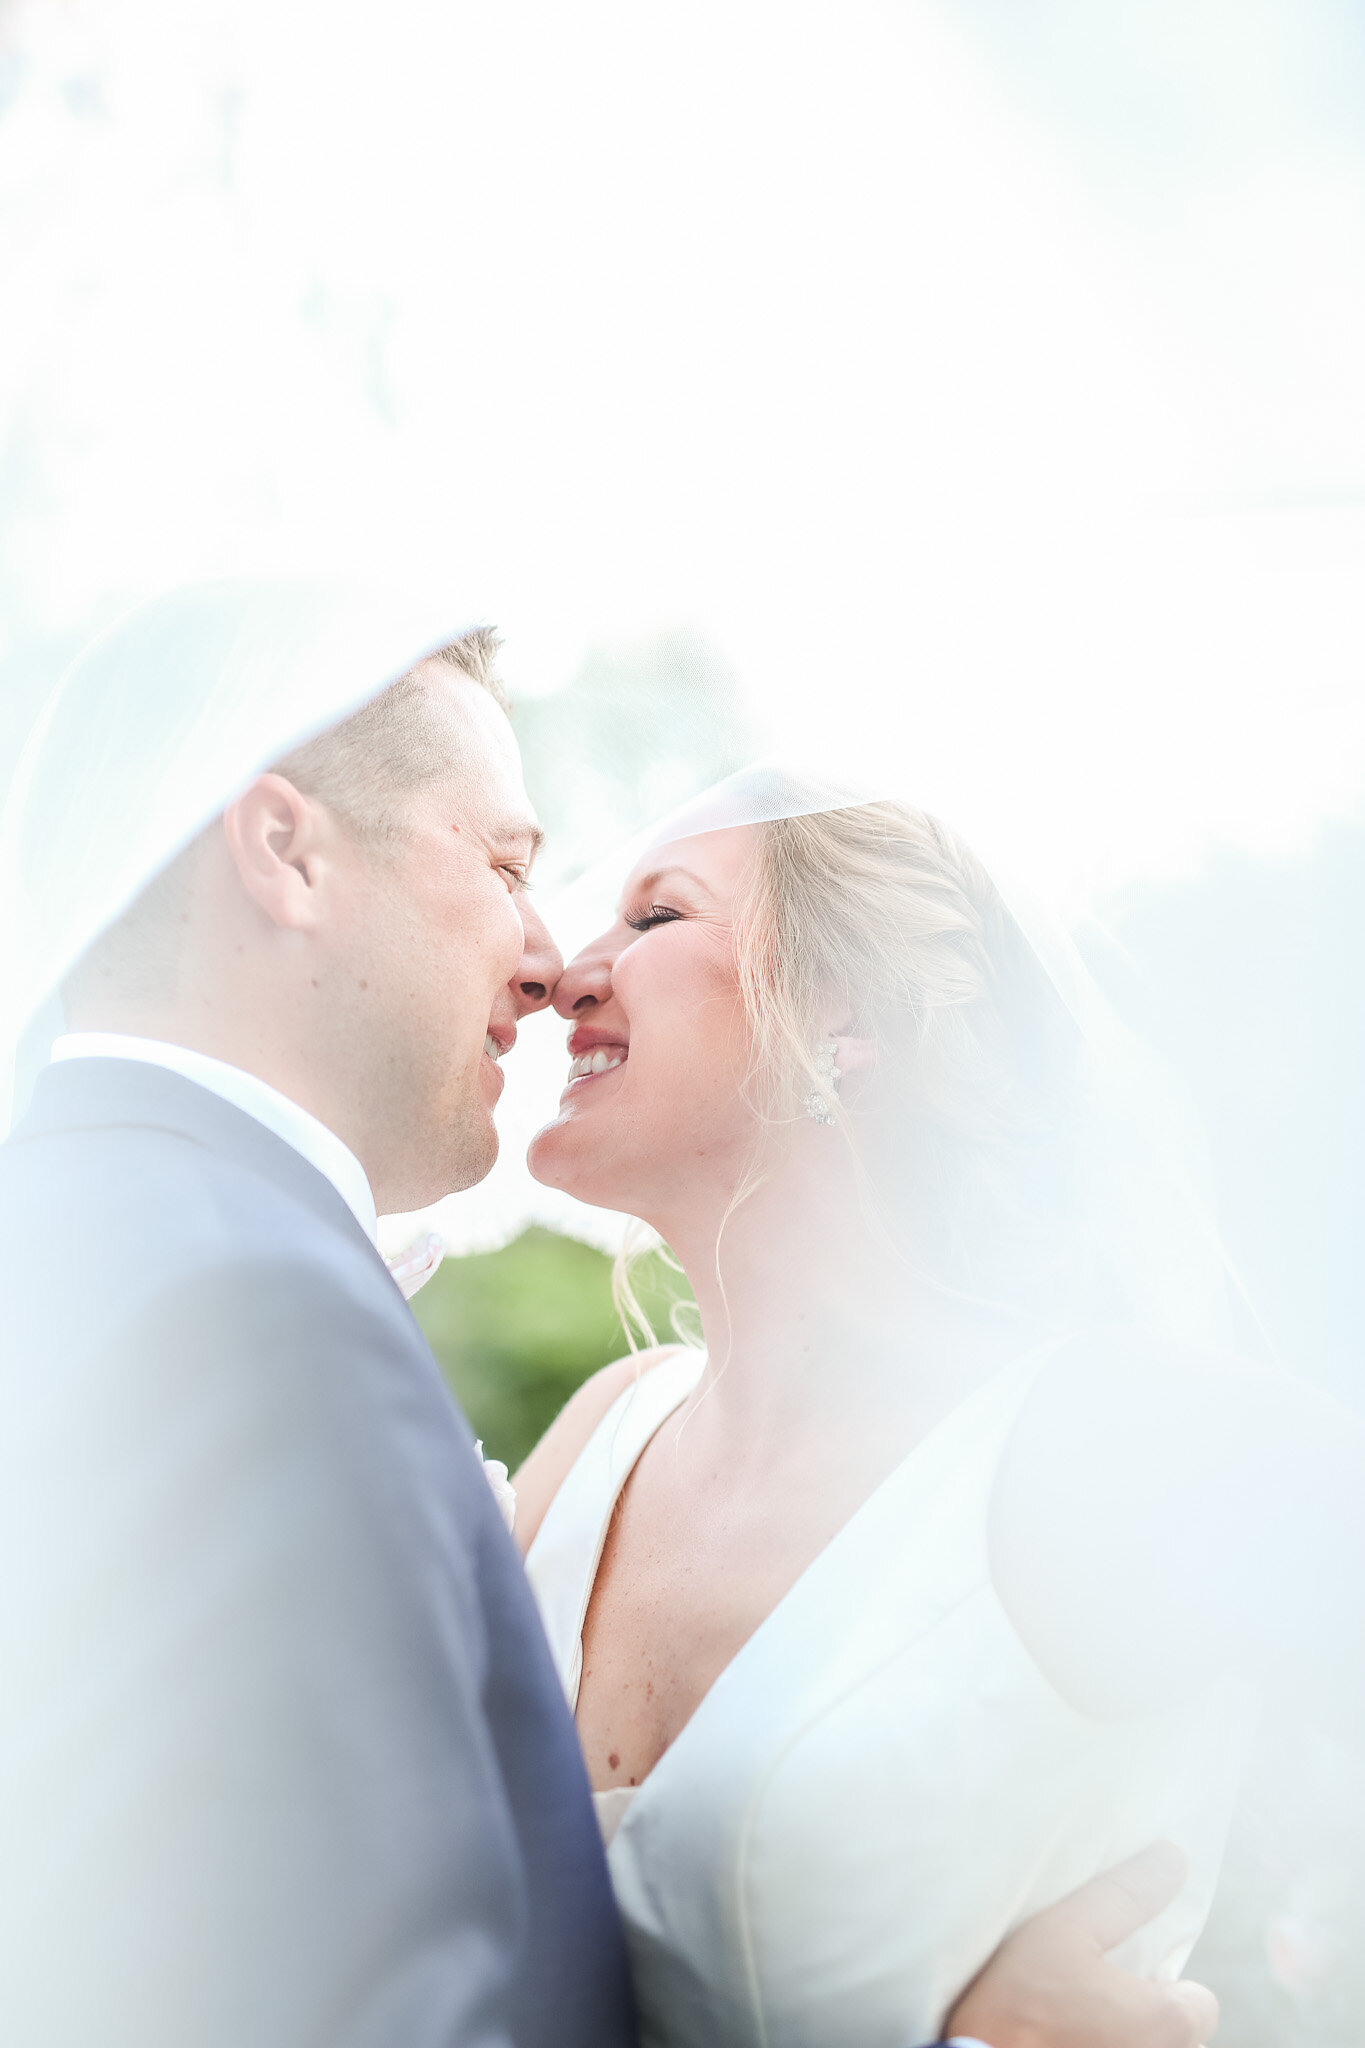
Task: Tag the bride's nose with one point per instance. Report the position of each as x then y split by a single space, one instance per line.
585 982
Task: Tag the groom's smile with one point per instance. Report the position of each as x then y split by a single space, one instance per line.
476 956
498 1042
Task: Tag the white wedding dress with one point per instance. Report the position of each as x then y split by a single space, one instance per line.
882 1783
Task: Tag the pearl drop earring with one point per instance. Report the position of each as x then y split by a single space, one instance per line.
818 1105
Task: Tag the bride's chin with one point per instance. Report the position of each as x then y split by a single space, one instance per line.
550 1159
546 1160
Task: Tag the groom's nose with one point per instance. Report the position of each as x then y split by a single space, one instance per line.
540 966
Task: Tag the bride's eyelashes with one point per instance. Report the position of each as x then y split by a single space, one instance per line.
657 913
517 878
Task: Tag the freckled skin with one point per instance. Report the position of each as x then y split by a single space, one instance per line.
698 1554
718 1519
699 1551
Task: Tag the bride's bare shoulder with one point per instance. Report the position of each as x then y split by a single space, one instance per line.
538 1481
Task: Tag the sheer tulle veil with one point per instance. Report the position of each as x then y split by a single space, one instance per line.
154 728
1149 1220
170 712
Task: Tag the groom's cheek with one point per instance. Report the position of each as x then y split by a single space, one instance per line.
506 941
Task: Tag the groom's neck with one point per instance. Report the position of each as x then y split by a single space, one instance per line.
286 1060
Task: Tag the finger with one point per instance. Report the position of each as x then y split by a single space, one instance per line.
1119 1901
1201 2007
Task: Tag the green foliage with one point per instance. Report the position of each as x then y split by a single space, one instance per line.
518 1330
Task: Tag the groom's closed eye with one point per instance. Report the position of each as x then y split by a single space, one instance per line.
514 854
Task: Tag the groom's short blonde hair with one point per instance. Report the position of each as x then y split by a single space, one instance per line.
360 769
394 743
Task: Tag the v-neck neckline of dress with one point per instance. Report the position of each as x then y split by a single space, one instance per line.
941 1432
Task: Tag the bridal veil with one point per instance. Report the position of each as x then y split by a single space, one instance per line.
1148 1217
153 730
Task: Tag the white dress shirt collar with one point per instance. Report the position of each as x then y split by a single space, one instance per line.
319 1146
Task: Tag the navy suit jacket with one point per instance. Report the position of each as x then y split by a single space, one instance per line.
283 1756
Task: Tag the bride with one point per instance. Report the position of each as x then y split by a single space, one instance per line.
932 1584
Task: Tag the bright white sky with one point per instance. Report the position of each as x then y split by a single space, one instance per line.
994 390
978 377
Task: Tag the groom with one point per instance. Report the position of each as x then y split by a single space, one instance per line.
284 1759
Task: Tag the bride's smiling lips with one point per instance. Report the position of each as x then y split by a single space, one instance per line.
594 1052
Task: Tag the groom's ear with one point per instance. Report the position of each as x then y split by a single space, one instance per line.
274 837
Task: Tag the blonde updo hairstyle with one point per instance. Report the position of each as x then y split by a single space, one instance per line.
878 913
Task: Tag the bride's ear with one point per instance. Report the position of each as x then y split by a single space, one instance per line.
272 836
853 1054
854 1051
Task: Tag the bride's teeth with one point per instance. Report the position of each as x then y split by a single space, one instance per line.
491 1047
599 1062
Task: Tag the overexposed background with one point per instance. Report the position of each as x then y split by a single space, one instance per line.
983 375
991 368
978 374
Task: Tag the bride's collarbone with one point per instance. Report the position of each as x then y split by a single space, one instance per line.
706 1522
704 1542
694 1567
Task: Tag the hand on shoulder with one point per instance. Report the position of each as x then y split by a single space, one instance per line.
539 1479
